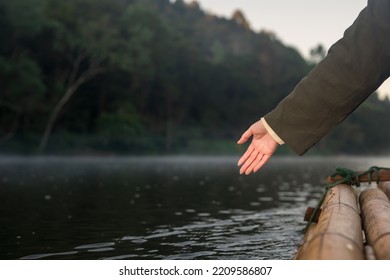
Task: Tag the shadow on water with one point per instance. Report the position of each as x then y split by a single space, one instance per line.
158 207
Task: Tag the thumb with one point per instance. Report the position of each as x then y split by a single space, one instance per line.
245 136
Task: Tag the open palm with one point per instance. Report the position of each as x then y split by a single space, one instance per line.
259 151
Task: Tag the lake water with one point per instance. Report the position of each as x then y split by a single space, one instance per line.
158 207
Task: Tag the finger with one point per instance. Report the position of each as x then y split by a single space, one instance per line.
254 163
249 161
261 163
245 136
246 155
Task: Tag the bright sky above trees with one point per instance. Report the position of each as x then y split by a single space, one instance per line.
300 23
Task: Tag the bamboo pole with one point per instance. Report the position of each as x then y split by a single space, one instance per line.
375 207
369 253
384 175
338 233
385 187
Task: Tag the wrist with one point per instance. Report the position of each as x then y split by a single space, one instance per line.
271 132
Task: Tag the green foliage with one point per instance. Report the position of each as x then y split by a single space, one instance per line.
22 68
148 76
24 16
125 121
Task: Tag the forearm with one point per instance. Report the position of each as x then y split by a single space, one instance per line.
354 68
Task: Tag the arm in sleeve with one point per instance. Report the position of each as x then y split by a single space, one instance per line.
355 67
272 132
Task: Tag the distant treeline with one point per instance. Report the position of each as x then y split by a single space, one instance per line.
147 77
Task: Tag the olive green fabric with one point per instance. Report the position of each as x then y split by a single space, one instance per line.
354 68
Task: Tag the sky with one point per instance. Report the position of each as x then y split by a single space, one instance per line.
302 24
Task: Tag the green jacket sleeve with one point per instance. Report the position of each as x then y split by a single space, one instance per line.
355 67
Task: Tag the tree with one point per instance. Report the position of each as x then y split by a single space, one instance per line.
317 53
239 17
21 78
86 33
156 52
146 76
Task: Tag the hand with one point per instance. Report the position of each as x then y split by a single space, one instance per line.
259 151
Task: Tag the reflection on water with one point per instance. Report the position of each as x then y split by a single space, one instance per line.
158 207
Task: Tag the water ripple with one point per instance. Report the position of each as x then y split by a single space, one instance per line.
159 208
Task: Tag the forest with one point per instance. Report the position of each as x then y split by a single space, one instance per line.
141 77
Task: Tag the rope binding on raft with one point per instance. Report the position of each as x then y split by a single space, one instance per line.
349 177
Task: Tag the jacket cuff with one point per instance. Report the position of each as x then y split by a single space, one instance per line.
272 132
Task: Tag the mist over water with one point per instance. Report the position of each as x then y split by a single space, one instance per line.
159 207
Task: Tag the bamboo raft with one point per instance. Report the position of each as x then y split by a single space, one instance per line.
351 225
